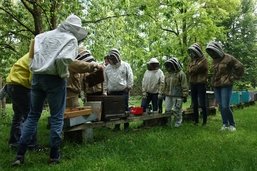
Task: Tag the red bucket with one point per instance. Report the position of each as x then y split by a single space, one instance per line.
136 110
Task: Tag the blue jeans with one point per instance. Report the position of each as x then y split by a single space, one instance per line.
223 96
52 88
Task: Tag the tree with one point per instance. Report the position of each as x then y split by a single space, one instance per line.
241 39
141 29
23 20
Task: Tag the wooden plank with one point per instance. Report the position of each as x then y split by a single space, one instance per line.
85 131
86 125
70 113
147 116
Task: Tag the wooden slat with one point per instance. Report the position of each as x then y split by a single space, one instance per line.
70 113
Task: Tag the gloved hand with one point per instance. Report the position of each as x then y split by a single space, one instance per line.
160 96
82 96
184 99
144 96
127 89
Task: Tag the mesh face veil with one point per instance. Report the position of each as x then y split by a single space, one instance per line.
173 65
195 51
214 49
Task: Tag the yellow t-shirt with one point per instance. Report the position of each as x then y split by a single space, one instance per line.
20 73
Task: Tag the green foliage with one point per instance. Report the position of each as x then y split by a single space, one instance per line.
241 38
240 85
141 29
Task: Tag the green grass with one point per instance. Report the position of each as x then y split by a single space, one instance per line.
193 148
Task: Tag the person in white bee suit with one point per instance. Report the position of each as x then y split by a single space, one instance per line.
118 78
152 86
53 51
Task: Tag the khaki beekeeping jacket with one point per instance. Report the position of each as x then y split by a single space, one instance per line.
198 70
175 84
226 70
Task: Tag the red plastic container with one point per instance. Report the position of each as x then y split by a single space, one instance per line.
136 110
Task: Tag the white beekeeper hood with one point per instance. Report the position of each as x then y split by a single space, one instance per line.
74 25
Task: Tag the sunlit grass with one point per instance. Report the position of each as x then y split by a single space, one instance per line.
158 148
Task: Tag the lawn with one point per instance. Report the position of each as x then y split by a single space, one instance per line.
159 148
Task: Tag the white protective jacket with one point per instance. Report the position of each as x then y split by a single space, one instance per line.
118 77
153 81
55 50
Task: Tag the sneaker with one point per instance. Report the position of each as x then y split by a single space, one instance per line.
126 129
32 146
54 161
177 125
116 128
223 128
232 128
19 160
13 145
196 123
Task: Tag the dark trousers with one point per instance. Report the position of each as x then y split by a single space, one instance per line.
160 104
20 97
151 97
198 95
126 98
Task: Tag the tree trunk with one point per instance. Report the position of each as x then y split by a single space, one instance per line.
2 102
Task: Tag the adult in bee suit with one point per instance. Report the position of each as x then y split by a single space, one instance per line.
226 69
77 69
53 52
118 78
198 74
87 89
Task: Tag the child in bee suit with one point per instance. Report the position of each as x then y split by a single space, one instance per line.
175 89
152 85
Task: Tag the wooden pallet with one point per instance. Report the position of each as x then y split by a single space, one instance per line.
84 132
74 112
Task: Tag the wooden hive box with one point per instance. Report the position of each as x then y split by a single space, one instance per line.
113 107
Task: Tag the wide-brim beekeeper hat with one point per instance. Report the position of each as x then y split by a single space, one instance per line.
153 61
